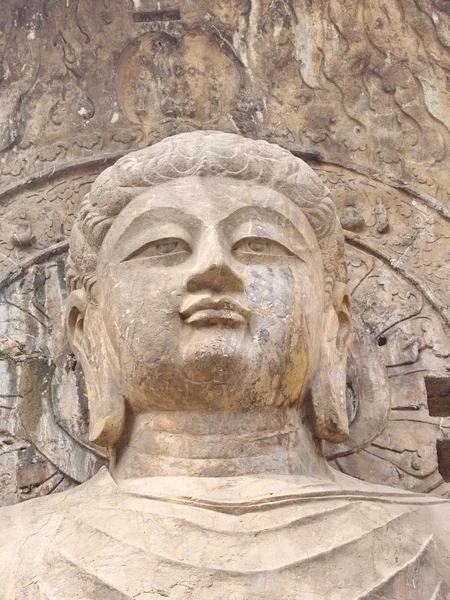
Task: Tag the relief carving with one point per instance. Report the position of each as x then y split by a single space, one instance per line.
358 91
160 76
339 82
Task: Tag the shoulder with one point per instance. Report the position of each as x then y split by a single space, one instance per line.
22 519
25 517
27 528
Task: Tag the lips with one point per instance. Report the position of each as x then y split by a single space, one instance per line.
208 312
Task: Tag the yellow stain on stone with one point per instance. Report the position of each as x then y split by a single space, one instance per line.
295 378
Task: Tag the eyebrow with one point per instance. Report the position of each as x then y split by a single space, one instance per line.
155 217
254 212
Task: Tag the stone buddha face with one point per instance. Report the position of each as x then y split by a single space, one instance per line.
209 295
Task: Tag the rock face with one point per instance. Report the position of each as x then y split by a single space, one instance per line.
359 91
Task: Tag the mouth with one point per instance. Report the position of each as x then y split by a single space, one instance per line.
207 312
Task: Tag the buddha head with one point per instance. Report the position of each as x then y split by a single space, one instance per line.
207 273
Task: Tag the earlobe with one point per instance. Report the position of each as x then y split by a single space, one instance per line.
328 389
106 404
106 412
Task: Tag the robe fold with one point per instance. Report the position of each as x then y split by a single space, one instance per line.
242 538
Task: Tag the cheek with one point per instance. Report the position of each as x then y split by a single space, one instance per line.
141 308
285 328
311 307
272 299
271 292
304 335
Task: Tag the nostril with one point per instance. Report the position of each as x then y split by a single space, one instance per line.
218 278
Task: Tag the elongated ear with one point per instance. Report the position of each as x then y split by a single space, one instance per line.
88 341
75 312
328 389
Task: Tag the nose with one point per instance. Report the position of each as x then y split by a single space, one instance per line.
213 270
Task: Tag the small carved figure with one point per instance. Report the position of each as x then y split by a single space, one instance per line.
351 219
209 309
381 217
142 90
23 235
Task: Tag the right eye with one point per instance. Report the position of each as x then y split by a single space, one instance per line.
174 250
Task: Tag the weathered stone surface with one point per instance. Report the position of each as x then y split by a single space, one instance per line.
208 306
359 91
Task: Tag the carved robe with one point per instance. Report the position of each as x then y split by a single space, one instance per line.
243 538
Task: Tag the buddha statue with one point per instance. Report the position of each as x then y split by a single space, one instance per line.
209 310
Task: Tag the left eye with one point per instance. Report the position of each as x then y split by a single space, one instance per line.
261 246
167 247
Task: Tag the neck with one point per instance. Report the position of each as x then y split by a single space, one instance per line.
219 444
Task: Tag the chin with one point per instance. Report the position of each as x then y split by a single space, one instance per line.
214 368
222 357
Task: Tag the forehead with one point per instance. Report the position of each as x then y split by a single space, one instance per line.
208 201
